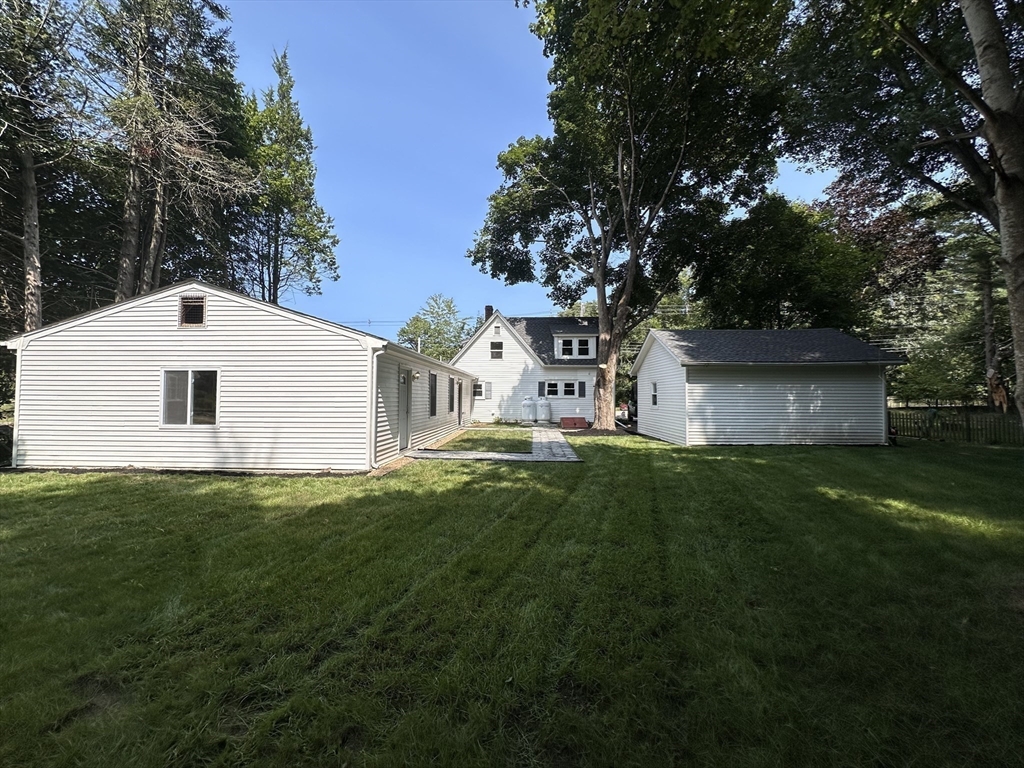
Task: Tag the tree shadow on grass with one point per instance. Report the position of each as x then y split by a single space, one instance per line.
651 605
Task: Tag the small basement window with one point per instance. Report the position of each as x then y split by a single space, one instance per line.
190 397
192 311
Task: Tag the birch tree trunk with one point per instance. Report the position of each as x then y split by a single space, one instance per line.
1004 131
30 241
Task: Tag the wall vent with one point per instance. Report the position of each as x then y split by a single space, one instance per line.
192 311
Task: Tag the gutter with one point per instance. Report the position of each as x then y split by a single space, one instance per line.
371 426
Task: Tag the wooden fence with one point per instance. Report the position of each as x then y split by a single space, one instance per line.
958 426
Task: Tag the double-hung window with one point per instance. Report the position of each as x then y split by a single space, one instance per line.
190 397
654 393
497 350
478 389
573 347
562 389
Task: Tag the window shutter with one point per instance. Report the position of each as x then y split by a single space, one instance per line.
487 390
540 388
581 388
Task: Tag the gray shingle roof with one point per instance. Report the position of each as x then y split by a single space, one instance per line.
539 333
813 345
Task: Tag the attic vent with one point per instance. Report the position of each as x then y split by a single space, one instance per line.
192 311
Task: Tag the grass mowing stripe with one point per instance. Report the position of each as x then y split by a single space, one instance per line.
649 606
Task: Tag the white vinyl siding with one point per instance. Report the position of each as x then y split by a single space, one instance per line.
509 381
387 409
667 420
292 395
825 404
424 428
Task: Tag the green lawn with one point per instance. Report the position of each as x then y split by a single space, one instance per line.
650 606
505 440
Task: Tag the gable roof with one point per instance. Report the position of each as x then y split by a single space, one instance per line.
184 287
748 347
536 334
539 332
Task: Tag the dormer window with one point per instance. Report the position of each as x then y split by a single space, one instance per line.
192 311
570 347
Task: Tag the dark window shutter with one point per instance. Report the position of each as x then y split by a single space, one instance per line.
487 390
581 389
540 388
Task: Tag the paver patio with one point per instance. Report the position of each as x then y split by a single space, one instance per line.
548 445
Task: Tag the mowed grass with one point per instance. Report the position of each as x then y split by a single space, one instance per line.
503 440
651 606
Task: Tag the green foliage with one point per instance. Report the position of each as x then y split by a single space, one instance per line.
437 329
781 266
287 240
940 323
662 114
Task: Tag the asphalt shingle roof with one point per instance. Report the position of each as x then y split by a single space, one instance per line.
539 333
813 345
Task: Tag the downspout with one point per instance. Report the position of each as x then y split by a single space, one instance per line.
371 427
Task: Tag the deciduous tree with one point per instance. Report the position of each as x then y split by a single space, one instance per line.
925 94
437 329
661 112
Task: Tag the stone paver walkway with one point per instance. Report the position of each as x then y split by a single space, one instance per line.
548 445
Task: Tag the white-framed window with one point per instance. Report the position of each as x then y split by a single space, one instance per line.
497 330
560 388
572 347
478 390
189 398
654 393
192 310
497 350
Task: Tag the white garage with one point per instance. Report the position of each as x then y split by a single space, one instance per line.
717 387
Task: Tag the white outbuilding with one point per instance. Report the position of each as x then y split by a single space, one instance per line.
201 378
714 387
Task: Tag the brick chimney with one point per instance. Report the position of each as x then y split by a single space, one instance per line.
488 311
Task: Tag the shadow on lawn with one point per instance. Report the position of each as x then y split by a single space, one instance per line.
648 606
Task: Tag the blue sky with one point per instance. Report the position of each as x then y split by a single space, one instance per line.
410 102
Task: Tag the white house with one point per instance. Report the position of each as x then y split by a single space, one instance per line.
733 387
198 377
518 357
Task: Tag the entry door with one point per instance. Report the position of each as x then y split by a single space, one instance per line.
458 395
404 406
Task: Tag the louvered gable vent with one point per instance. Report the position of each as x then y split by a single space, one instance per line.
192 311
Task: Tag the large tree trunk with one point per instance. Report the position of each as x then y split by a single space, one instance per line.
30 241
153 253
130 226
1004 131
988 319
